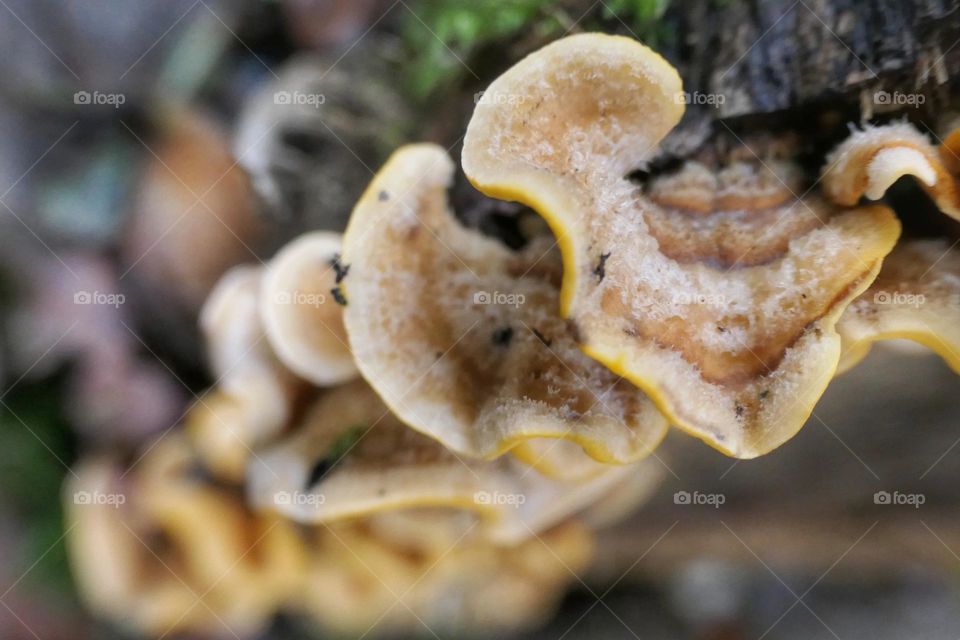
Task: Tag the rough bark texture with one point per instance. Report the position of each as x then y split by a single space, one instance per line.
812 63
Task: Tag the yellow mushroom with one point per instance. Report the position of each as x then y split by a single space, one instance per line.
360 582
159 550
302 320
352 457
459 335
253 393
917 293
916 297
717 295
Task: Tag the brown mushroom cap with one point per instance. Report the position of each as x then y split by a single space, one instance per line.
735 351
459 335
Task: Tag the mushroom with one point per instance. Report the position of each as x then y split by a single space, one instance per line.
916 297
734 351
107 561
462 587
352 457
253 397
459 335
166 551
871 160
300 315
917 293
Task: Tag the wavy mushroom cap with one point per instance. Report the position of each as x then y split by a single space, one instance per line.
301 317
871 160
459 335
352 457
253 394
917 293
916 297
714 291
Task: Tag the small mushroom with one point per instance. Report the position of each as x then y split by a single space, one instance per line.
917 293
254 393
689 290
352 457
302 319
871 160
916 297
459 335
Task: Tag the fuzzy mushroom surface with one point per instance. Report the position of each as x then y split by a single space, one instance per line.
459 335
352 457
915 297
868 162
714 290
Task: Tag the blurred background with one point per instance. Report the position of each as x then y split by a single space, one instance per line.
149 145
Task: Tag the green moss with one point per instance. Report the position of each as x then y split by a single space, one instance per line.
444 35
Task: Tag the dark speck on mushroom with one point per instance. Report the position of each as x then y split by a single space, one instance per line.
383 196
320 469
601 270
502 337
546 341
338 296
339 268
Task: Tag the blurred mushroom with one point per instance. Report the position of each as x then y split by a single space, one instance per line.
360 582
254 393
734 352
301 317
161 552
351 457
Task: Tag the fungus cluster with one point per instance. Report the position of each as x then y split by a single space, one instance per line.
419 425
